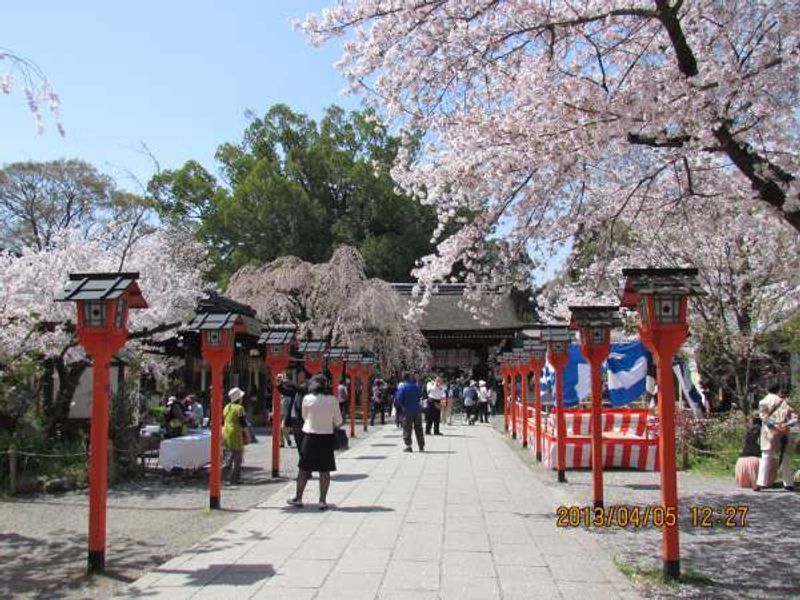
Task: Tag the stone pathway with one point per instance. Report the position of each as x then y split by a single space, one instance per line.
463 520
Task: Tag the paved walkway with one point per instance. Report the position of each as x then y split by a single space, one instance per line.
463 520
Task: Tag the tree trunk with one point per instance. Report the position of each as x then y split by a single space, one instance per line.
69 377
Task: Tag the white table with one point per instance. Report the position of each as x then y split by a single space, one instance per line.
191 451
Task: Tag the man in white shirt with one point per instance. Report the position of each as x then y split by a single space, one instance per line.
437 392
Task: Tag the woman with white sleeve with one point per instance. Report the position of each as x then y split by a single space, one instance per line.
321 415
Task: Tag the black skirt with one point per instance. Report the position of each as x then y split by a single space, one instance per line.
316 452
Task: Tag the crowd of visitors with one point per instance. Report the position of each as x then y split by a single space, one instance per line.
313 412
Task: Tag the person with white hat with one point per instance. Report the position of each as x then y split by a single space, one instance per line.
234 434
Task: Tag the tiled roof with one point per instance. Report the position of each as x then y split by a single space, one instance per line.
443 312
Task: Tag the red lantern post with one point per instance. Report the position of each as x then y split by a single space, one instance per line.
523 358
366 372
538 352
353 370
594 324
103 301
278 340
506 392
513 368
217 333
558 338
313 352
336 358
661 299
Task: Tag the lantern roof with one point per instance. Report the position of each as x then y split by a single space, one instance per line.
277 334
209 321
594 316
367 358
681 282
103 286
556 332
338 352
354 356
310 346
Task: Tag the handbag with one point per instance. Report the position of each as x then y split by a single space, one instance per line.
340 440
245 436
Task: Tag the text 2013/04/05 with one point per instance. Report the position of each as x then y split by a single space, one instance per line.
624 515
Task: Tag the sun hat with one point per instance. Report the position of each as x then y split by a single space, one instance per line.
482 383
235 394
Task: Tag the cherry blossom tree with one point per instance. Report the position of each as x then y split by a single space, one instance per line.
748 265
35 86
552 118
334 301
171 270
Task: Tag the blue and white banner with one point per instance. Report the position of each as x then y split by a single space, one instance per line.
627 372
690 393
577 377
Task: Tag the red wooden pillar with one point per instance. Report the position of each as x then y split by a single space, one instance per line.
506 394
366 372
217 357
596 356
537 395
353 371
215 472
661 299
594 324
559 359
98 460
514 374
103 301
277 363
537 353
524 373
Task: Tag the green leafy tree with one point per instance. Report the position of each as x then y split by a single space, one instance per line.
38 200
296 187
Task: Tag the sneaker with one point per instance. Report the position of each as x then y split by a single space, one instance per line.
408 449
757 488
422 449
294 502
788 488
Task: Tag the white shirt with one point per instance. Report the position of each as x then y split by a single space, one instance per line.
320 413
483 394
436 392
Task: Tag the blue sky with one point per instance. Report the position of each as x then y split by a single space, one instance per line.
174 75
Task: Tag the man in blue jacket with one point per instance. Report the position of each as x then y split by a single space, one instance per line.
409 396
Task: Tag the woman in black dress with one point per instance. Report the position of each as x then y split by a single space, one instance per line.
321 415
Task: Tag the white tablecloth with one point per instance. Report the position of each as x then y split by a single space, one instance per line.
190 451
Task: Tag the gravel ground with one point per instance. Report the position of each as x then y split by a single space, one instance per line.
757 561
43 538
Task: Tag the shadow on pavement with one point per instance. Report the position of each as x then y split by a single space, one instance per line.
348 476
362 509
214 574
